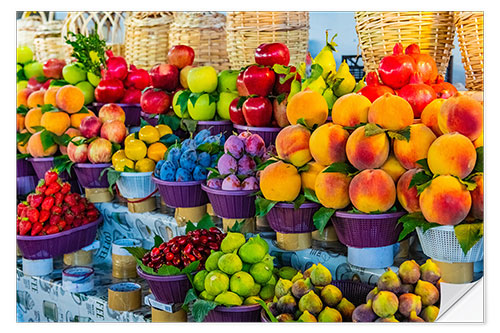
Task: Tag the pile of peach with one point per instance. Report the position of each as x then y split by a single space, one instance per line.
447 136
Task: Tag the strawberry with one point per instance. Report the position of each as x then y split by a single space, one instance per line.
44 216
59 198
33 214
61 225
40 189
54 219
21 207
66 187
36 228
53 229
77 222
69 217
47 203
81 207
85 220
51 177
67 227
56 210
70 199
24 226
75 210
35 200
52 188
90 206
92 214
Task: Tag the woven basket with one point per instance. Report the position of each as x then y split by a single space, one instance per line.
110 27
469 27
48 41
26 28
146 38
205 33
247 30
379 31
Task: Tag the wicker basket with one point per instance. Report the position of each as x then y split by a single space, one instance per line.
247 30
26 28
110 27
205 33
146 38
379 31
469 27
48 41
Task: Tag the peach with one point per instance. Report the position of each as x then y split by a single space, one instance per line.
71 132
100 151
391 112
408 197
479 141
23 149
22 97
76 118
56 122
77 154
462 114
36 99
19 122
452 154
35 147
393 167
90 126
32 119
50 96
327 144
70 99
351 110
111 111
114 130
409 152
367 152
292 145
372 190
429 116
280 181
309 177
477 196
332 189
309 105
445 201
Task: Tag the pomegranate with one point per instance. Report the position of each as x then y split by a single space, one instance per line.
425 63
137 78
155 101
396 69
116 66
373 88
443 89
109 91
417 93
131 96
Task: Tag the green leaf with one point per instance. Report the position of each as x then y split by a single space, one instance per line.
205 223
144 123
20 76
419 178
302 121
403 134
201 308
22 138
303 168
128 169
280 98
372 129
280 69
469 184
352 128
48 107
112 176
236 226
213 98
136 251
340 167
241 100
468 234
22 110
78 142
192 267
169 139
193 97
210 147
115 147
22 156
168 270
316 71
84 109
322 217
58 83
354 210
266 309
263 206
62 163
89 50
190 297
270 161
311 195
62 140
412 221
170 120
158 240
299 201
38 128
47 139
182 100
422 187
189 125
423 163
479 167
145 268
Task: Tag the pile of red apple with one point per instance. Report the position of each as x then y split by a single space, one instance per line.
264 96
53 208
52 70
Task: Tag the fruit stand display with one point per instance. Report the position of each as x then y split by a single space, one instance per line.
153 170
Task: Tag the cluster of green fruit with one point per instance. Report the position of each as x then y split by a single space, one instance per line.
239 274
310 297
409 296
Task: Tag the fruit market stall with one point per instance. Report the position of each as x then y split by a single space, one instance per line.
254 183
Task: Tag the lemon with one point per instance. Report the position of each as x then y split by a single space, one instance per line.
129 137
145 165
156 151
149 134
163 129
120 165
119 155
135 149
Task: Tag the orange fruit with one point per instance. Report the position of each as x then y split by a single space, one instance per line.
32 119
156 151
70 99
56 122
307 104
36 98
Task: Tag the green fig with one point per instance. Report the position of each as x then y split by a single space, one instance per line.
282 288
216 282
331 295
390 319
256 290
252 251
428 292
230 263
311 302
414 318
330 315
306 317
389 281
287 272
348 81
429 313
307 272
228 298
199 280
408 303
385 304
251 300
206 296
363 313
297 276
287 304
325 57
266 292
430 272
261 272
321 276
211 264
372 294
346 308
285 317
241 283
409 272
232 242
301 287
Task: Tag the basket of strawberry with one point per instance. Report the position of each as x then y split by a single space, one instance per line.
54 221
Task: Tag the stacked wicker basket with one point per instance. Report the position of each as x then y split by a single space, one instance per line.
469 26
26 28
48 42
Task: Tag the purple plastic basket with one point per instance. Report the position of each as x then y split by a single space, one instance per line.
55 245
231 204
284 218
132 112
24 168
216 126
367 230
26 184
43 164
88 174
268 134
147 117
167 289
181 194
234 314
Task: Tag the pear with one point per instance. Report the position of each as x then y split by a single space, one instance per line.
360 85
329 97
325 57
348 81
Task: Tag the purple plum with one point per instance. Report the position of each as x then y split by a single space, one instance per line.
255 145
244 135
250 183
270 152
227 164
231 183
246 165
215 183
234 146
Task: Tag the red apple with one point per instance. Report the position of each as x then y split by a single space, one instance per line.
52 68
77 154
257 111
109 91
155 101
46 84
280 88
100 151
279 112
90 126
271 54
111 111
164 76
181 56
258 80
242 90
235 113
114 130
33 84
131 96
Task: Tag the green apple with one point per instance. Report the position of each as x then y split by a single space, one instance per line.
202 79
225 98
22 84
87 90
18 67
33 69
202 109
177 108
227 80
24 54
93 79
74 73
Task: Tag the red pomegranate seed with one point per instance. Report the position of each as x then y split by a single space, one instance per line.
162 246
174 248
188 248
169 256
155 252
213 246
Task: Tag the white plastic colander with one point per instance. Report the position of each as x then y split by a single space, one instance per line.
440 243
135 185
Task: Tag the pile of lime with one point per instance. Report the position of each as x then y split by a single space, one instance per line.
239 274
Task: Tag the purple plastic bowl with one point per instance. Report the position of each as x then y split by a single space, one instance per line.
132 112
55 245
284 218
181 194
268 134
26 184
216 126
24 168
88 174
167 289
367 230
43 164
231 204
234 314
151 121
